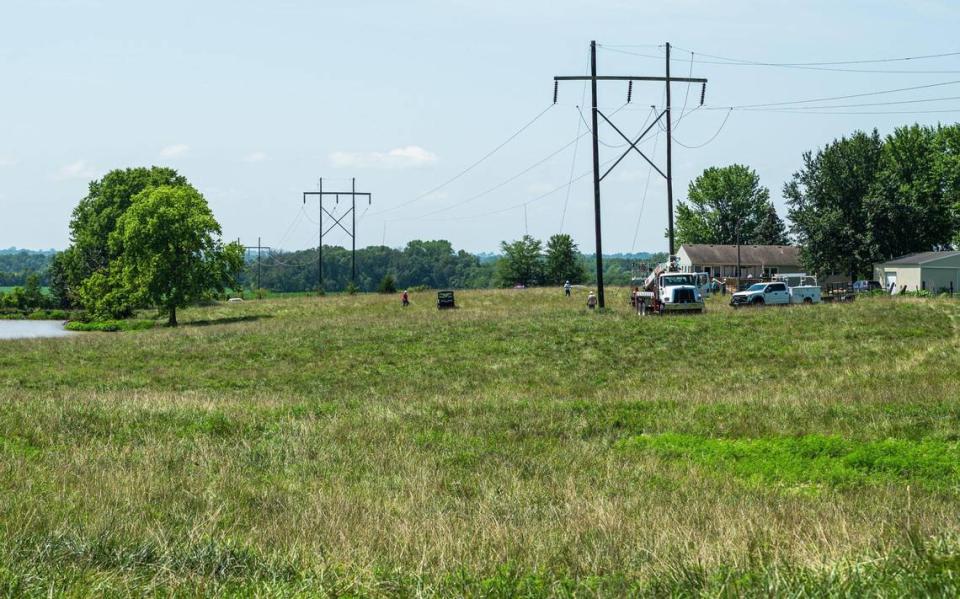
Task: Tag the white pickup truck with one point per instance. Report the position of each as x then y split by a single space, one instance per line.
775 293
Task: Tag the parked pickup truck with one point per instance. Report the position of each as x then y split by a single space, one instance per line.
775 293
803 288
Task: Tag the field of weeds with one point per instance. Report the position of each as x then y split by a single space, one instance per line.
519 445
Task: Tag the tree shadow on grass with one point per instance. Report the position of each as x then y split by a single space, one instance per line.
227 320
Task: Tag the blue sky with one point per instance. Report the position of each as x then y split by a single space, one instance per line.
254 101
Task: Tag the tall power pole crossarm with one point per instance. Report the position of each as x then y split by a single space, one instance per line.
337 222
593 78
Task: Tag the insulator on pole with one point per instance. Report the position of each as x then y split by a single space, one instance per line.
703 93
629 90
338 199
556 87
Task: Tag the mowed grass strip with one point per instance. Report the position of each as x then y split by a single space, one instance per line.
517 446
813 459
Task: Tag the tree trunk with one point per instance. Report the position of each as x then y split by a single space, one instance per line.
173 317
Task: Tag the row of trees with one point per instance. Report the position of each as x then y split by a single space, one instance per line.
527 262
29 296
143 237
17 267
430 263
865 199
437 265
857 201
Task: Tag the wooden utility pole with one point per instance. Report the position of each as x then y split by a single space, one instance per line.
597 177
259 247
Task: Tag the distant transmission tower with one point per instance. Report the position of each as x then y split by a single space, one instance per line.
352 232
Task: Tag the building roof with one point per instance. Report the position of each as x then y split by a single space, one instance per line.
922 258
779 255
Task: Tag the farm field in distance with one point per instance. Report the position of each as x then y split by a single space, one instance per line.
518 445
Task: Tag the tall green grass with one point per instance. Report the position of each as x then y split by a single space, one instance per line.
517 446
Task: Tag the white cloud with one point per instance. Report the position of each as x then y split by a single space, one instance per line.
77 170
255 157
405 157
174 150
7 161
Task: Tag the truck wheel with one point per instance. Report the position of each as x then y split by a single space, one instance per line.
808 300
758 301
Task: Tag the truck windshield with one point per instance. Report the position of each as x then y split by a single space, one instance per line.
756 287
673 280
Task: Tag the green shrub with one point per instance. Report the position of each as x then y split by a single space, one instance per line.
110 326
387 285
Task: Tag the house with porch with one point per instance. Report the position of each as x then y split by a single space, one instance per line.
757 261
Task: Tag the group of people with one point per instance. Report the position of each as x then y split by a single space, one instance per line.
591 297
637 299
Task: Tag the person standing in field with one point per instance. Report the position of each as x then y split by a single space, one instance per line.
566 288
591 301
405 298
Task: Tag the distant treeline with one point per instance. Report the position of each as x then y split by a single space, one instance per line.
17 265
433 264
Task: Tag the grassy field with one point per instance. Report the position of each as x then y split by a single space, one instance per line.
516 446
9 288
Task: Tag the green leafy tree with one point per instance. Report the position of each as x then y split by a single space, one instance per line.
827 200
948 166
722 200
563 261
863 199
33 296
169 251
387 284
96 216
912 204
59 279
522 262
771 230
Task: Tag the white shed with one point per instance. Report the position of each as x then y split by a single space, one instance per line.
933 271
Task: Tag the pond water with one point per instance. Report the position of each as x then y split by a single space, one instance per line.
30 329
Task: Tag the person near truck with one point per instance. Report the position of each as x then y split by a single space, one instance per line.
591 301
566 288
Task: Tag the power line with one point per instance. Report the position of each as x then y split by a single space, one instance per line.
831 98
732 62
831 106
573 163
713 137
863 112
830 63
503 183
296 219
522 204
646 188
497 186
686 96
600 141
469 168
